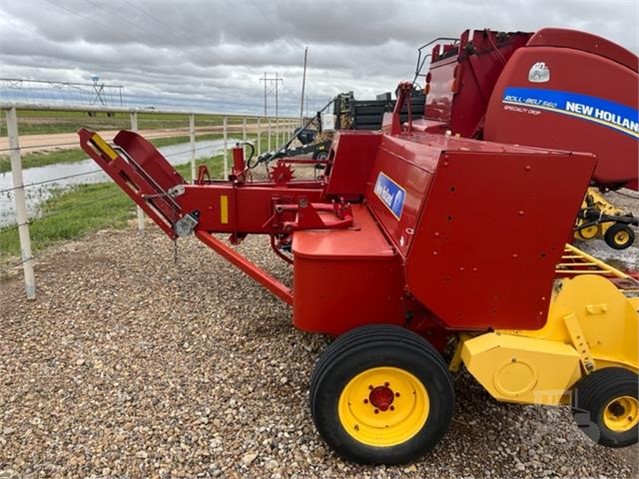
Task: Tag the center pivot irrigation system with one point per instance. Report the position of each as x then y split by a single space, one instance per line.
422 248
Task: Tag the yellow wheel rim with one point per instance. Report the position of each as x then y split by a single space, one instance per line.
621 414
383 406
589 233
621 237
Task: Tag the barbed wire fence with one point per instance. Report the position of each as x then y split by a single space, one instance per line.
255 127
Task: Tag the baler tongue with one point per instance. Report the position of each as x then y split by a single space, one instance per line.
143 174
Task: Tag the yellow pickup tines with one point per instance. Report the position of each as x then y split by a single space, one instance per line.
104 147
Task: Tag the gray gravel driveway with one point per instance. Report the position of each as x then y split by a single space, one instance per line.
131 366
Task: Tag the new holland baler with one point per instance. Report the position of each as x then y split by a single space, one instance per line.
554 88
401 251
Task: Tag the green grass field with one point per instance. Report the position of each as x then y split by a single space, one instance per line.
71 155
41 122
73 213
83 209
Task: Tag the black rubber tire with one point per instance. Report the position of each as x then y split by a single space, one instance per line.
591 396
609 236
320 155
373 346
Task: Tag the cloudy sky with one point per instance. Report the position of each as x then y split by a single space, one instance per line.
214 52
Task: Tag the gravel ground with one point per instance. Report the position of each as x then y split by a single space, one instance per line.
129 365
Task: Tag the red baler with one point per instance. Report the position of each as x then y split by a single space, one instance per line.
555 88
403 251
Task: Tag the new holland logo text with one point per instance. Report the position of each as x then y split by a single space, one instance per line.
390 193
621 118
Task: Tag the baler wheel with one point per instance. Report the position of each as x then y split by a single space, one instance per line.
619 236
606 408
381 395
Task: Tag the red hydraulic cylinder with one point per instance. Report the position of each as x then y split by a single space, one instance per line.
238 160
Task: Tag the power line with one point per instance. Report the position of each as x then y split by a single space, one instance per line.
271 88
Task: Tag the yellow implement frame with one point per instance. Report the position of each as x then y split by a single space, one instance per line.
594 199
591 325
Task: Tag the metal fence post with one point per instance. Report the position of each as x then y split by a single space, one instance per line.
226 159
192 141
244 136
21 205
139 211
269 133
259 138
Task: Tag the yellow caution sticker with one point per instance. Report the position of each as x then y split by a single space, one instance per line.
104 147
224 209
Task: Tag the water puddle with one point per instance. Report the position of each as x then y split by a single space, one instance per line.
51 178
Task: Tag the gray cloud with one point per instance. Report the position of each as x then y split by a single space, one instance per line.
216 51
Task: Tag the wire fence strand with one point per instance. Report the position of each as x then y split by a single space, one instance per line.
84 213
148 136
79 205
97 170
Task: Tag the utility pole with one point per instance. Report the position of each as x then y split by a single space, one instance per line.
277 96
303 88
265 112
271 88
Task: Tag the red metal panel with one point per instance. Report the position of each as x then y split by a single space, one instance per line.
440 96
492 228
362 241
571 72
148 159
587 42
409 165
249 206
460 85
410 161
354 152
346 278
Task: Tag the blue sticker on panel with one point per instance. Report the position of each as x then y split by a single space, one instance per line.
621 118
390 193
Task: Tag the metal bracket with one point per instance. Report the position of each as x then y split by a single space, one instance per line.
176 191
579 342
185 225
456 360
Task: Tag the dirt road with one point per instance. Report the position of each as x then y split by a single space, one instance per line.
31 143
